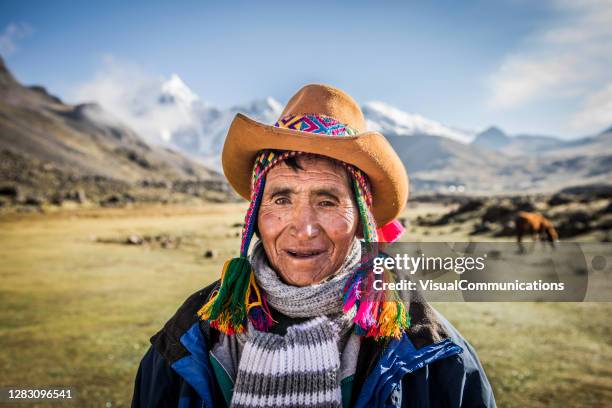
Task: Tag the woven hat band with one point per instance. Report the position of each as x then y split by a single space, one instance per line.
314 123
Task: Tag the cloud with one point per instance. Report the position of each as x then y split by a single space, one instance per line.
570 60
11 35
596 111
136 98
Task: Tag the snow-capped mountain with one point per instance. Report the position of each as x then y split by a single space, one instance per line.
201 128
390 120
168 112
176 91
204 127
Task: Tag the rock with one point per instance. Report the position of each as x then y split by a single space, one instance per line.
604 225
165 241
460 214
576 223
116 200
57 198
237 225
469 206
134 239
9 191
579 216
498 213
210 253
481 228
111 201
522 204
607 209
33 200
559 199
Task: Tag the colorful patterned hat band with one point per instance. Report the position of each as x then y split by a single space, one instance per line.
315 124
239 298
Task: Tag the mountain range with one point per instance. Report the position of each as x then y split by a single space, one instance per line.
438 157
168 131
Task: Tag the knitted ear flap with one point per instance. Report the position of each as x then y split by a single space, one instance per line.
380 313
239 297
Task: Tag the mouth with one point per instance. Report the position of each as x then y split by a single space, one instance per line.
304 254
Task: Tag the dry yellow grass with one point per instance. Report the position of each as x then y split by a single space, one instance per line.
77 312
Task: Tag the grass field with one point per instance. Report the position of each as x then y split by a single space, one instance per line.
77 308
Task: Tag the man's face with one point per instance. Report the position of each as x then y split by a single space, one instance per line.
307 219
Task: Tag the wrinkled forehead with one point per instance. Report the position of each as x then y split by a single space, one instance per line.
318 171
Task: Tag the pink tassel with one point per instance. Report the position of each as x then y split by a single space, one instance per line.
350 301
390 232
364 317
351 292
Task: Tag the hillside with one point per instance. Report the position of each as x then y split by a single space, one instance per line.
49 148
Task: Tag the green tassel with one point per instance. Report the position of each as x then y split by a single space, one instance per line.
227 309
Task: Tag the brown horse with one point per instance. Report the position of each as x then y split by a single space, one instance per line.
536 225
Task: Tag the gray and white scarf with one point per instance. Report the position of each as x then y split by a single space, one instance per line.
301 368
322 298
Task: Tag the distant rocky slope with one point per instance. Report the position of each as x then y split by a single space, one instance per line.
51 152
583 212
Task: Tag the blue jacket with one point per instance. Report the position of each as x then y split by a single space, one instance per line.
430 366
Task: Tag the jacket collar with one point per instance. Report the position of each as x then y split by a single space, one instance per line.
399 358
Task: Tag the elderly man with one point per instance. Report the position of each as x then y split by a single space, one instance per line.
291 322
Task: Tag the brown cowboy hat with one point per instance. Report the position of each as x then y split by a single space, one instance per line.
368 151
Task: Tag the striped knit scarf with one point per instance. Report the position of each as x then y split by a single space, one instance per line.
301 368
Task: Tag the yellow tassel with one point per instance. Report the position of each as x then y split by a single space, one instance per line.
204 311
388 320
252 286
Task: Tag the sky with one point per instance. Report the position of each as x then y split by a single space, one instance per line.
537 67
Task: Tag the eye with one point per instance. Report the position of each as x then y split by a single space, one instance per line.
282 201
327 203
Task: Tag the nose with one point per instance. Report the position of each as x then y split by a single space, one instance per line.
305 223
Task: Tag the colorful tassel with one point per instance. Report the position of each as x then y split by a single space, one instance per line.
391 231
238 295
380 314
